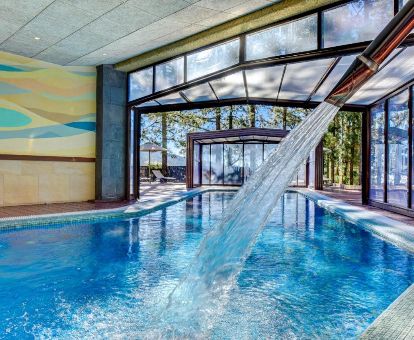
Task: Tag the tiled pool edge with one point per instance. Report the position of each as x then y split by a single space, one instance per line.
396 322
127 211
396 232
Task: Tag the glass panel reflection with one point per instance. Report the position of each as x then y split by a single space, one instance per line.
169 74
196 164
264 82
253 158
205 163
213 59
376 191
140 84
231 86
398 150
300 79
199 93
216 172
295 36
233 163
267 149
355 22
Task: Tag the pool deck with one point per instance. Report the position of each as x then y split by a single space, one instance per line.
153 196
149 192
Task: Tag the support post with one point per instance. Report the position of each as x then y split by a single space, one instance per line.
365 156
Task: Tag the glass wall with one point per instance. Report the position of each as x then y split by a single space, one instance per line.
253 158
397 182
233 164
390 151
295 36
140 83
205 164
169 74
216 164
197 163
356 21
377 153
213 59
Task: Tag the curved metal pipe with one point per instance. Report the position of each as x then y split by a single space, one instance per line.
367 64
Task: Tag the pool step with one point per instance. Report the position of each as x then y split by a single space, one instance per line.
396 322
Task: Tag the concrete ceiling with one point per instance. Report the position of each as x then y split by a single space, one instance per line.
93 32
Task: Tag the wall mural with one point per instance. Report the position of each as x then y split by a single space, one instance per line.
46 109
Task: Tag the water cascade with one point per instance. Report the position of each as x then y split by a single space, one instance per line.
198 298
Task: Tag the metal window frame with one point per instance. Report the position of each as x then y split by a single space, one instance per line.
320 52
408 210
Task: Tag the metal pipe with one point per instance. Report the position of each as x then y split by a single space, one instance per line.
367 64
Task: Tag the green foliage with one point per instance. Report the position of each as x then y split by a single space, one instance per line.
342 148
341 142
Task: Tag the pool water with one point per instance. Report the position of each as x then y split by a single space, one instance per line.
310 275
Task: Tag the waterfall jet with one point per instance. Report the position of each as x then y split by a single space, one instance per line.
199 298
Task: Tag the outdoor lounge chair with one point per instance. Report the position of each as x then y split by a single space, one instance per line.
159 176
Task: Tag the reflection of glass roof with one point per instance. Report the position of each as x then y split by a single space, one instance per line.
230 87
397 72
301 78
264 82
296 82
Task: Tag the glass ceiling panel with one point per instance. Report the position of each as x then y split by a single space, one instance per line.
213 59
200 93
333 78
398 72
264 82
296 36
140 83
357 21
173 98
301 78
150 103
229 87
169 74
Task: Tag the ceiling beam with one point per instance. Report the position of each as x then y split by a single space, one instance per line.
280 11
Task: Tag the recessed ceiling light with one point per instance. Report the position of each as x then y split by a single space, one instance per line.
36 38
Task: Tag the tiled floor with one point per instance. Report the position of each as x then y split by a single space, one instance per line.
154 191
41 209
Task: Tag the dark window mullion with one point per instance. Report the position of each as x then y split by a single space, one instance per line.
386 122
410 146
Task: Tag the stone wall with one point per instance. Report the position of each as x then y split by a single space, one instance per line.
111 134
35 182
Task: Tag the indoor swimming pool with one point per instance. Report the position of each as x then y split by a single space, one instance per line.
311 274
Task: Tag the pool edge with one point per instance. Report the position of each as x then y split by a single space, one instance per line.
128 211
388 229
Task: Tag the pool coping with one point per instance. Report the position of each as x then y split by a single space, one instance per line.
395 232
128 211
386 228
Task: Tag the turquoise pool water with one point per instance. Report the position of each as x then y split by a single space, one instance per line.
310 275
